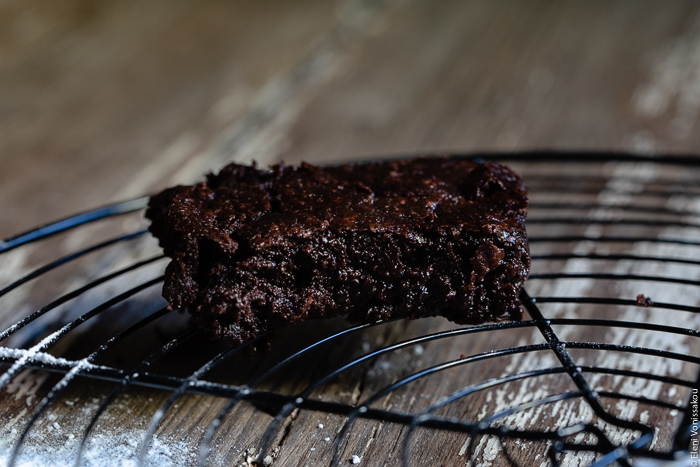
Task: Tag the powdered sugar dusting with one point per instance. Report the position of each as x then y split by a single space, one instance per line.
34 357
28 355
57 443
57 436
115 448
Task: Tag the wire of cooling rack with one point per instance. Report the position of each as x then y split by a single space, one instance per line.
560 439
72 222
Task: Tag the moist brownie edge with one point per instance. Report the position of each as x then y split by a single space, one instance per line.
254 250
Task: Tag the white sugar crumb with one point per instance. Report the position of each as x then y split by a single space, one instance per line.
267 460
320 425
56 425
313 449
356 459
644 417
418 350
326 439
71 436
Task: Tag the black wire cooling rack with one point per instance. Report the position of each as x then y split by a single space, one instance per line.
612 237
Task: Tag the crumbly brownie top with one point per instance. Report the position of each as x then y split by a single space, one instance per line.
264 207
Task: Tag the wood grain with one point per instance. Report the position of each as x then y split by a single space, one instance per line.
101 102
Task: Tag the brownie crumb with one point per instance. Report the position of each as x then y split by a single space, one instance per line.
644 301
254 250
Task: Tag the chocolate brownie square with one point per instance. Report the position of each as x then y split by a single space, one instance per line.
254 250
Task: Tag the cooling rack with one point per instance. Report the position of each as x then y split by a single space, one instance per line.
603 369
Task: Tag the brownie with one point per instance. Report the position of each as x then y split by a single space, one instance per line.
254 250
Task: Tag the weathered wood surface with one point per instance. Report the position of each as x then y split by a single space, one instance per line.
103 102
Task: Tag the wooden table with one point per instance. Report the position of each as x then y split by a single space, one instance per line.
103 102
